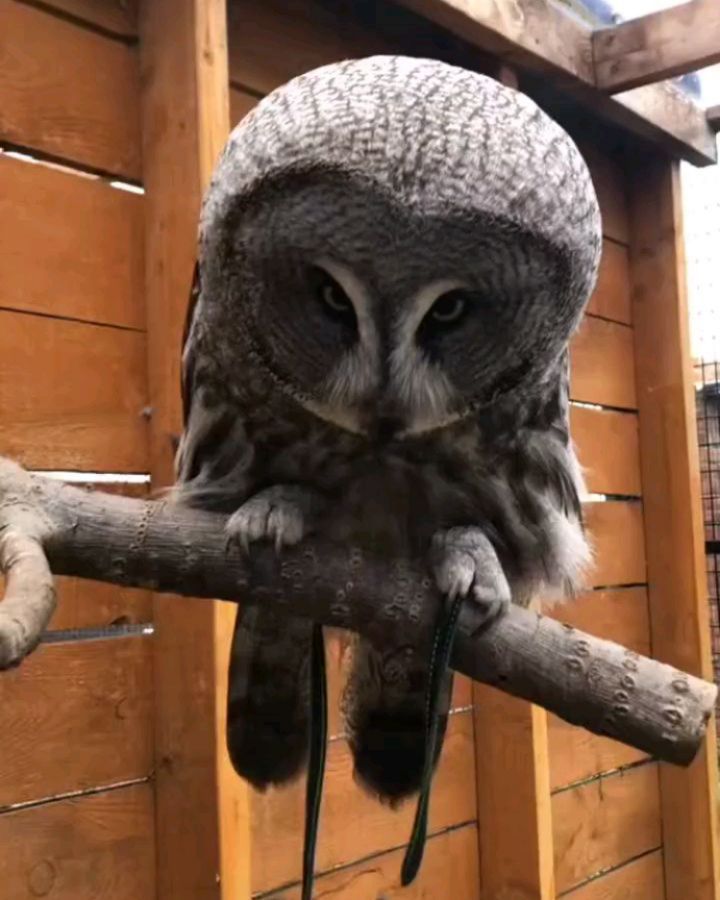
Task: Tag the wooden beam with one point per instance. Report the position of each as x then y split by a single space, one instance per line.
661 45
539 36
515 827
713 117
679 612
202 825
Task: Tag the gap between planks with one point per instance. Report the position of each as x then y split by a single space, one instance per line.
74 795
275 891
619 771
129 38
602 873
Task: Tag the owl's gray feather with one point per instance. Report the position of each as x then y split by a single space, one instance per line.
394 254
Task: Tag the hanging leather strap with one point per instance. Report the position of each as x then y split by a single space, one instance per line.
316 762
439 662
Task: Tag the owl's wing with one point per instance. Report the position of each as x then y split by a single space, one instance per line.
187 370
268 692
214 454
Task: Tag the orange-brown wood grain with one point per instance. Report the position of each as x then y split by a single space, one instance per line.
608 449
354 825
616 532
673 520
605 822
76 716
602 364
203 815
640 879
449 869
609 182
240 105
98 846
513 797
72 246
621 616
68 91
273 41
611 298
72 395
116 16
93 604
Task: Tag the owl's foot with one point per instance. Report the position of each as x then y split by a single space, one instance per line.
279 514
465 564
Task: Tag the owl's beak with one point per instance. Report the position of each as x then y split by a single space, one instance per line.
386 429
384 423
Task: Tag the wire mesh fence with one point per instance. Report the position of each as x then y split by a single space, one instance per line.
707 386
701 195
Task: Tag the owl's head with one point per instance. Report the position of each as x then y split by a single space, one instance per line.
399 242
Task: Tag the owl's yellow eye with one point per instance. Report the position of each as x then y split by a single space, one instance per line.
450 308
333 298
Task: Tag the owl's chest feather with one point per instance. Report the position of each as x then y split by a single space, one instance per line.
391 498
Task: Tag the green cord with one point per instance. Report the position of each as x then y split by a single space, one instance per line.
439 662
316 764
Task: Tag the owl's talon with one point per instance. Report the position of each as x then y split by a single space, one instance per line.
466 565
276 515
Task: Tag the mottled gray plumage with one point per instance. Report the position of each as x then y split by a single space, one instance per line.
393 255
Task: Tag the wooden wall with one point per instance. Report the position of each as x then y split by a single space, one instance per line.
605 802
525 807
605 796
76 756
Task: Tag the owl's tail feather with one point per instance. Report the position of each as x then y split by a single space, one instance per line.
386 716
268 696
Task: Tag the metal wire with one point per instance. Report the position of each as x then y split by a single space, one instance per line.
707 384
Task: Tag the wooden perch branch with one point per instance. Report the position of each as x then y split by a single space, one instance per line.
587 681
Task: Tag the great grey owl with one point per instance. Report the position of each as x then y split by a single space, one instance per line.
393 255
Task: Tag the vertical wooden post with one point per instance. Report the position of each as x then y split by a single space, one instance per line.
513 786
673 514
202 807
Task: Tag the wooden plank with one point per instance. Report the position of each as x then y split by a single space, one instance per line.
608 448
657 46
76 716
604 823
99 847
115 16
513 797
203 816
713 117
616 532
55 412
92 604
611 298
75 246
602 364
449 869
273 41
533 35
609 186
621 616
667 115
673 517
85 110
240 104
641 879
542 37
278 814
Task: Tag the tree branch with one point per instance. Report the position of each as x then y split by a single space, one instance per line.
590 682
